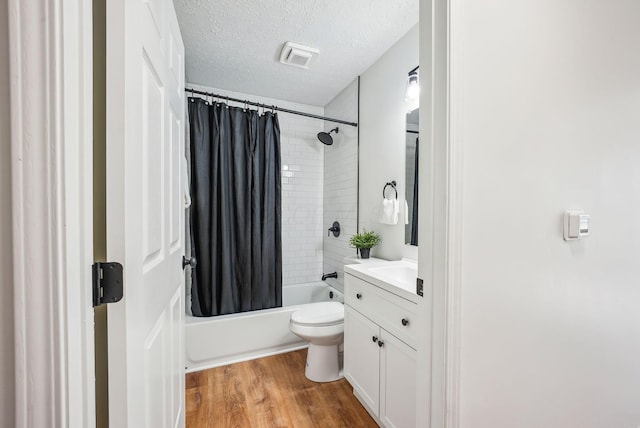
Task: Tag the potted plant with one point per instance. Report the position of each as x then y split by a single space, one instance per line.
364 241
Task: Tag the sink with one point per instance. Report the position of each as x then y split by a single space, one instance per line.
404 274
397 276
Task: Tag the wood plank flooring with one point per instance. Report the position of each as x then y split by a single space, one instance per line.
270 392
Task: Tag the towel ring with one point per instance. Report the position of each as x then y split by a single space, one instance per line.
393 186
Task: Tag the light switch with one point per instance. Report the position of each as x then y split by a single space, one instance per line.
576 225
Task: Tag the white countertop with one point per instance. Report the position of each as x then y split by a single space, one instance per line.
397 277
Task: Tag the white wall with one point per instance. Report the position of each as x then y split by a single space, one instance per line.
548 114
6 248
341 182
382 141
302 162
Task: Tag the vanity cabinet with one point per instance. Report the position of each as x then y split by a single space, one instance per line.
379 351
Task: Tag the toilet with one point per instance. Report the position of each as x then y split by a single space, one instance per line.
322 325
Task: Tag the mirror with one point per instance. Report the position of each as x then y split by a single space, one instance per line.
411 177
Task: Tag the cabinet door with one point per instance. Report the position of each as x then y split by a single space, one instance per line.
362 357
397 383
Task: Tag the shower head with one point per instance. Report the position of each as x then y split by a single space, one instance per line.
325 137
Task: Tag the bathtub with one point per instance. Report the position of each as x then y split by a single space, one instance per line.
226 339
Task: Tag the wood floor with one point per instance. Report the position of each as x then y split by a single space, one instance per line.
270 392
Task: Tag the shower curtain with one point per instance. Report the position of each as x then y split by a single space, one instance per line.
414 212
235 213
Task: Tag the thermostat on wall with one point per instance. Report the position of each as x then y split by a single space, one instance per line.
576 225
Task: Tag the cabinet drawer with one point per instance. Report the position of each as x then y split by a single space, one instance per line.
391 312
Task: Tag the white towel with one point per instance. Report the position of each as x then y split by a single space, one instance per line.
185 179
390 211
406 212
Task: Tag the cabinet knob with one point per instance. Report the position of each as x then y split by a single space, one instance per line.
380 343
375 339
405 321
358 296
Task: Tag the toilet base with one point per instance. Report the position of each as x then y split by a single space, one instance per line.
323 364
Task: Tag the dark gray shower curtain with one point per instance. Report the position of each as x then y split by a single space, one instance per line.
414 211
235 214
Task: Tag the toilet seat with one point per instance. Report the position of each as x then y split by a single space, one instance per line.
322 314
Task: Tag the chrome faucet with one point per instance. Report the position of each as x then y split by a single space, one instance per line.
329 275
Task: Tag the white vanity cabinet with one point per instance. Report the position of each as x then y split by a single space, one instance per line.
379 351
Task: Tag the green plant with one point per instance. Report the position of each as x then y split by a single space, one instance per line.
366 239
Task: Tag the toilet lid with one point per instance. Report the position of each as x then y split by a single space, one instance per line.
323 313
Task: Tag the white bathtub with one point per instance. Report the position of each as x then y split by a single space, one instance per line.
226 339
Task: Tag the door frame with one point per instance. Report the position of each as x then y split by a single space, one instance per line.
440 263
51 161
50 45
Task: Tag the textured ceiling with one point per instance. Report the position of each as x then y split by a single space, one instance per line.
235 44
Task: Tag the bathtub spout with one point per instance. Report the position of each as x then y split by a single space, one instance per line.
329 275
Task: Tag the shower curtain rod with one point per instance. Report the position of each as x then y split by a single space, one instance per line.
266 107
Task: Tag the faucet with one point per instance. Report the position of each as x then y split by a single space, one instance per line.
329 275
335 228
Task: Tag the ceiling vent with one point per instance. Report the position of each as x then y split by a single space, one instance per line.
298 55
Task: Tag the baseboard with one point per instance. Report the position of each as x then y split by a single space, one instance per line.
245 357
371 413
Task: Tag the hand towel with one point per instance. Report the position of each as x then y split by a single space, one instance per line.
390 211
406 212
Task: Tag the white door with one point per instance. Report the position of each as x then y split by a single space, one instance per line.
145 212
397 383
362 357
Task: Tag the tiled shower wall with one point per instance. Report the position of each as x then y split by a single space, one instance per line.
302 161
302 189
341 182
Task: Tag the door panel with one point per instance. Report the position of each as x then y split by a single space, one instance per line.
156 12
154 366
176 210
145 212
176 365
176 60
398 383
362 357
153 151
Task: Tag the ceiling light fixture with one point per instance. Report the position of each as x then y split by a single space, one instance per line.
412 92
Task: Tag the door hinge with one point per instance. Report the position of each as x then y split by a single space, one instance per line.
419 287
107 283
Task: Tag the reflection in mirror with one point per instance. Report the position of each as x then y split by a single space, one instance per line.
411 153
